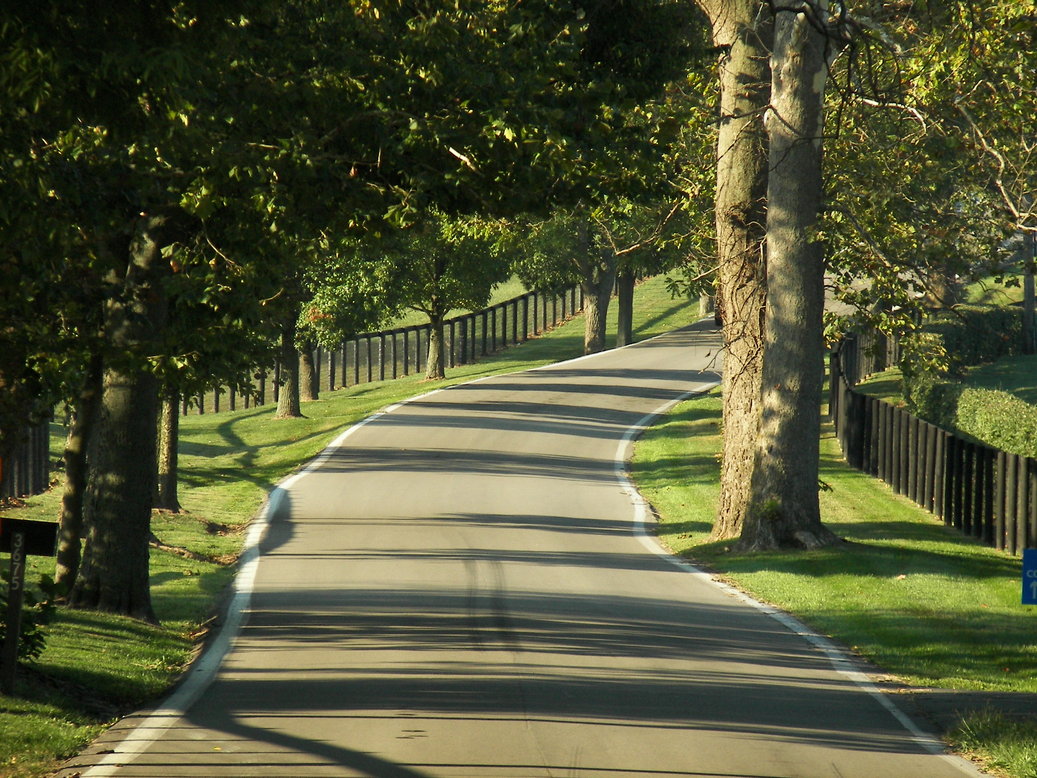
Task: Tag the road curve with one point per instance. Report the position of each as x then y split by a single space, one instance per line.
456 588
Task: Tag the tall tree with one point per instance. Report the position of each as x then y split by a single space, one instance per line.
742 34
784 508
444 263
123 450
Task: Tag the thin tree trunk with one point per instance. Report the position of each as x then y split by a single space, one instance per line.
309 385
166 495
288 406
625 281
70 524
742 32
784 510
114 574
435 368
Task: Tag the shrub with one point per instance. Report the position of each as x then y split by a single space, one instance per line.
935 358
999 419
37 611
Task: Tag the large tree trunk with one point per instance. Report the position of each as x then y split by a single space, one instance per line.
114 574
784 511
742 32
166 497
309 383
70 523
288 406
625 281
435 367
597 280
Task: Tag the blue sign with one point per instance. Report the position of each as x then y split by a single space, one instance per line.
1030 576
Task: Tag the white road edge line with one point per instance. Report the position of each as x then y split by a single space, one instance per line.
841 661
205 667
203 670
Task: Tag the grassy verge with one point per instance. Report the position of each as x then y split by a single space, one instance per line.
987 291
1016 375
97 666
927 605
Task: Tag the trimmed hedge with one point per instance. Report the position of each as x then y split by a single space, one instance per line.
936 360
999 419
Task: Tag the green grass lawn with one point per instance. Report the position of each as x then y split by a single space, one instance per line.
97 666
1016 375
922 602
987 291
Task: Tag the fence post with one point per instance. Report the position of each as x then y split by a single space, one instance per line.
898 450
970 516
834 385
1022 486
871 435
1003 528
1031 503
958 484
985 503
912 457
451 333
370 359
525 318
939 473
929 479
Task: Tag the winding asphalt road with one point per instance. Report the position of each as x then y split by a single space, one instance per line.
459 587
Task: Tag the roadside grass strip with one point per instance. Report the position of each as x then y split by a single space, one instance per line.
97 667
924 604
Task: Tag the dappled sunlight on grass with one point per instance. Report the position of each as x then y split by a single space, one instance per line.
1016 375
97 665
919 599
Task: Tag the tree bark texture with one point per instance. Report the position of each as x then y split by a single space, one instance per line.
114 574
309 383
742 32
436 367
166 494
784 510
70 523
625 281
288 406
597 280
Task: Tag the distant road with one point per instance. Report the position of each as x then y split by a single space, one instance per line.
457 589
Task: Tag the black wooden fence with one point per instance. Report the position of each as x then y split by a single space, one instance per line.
377 356
27 470
982 491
